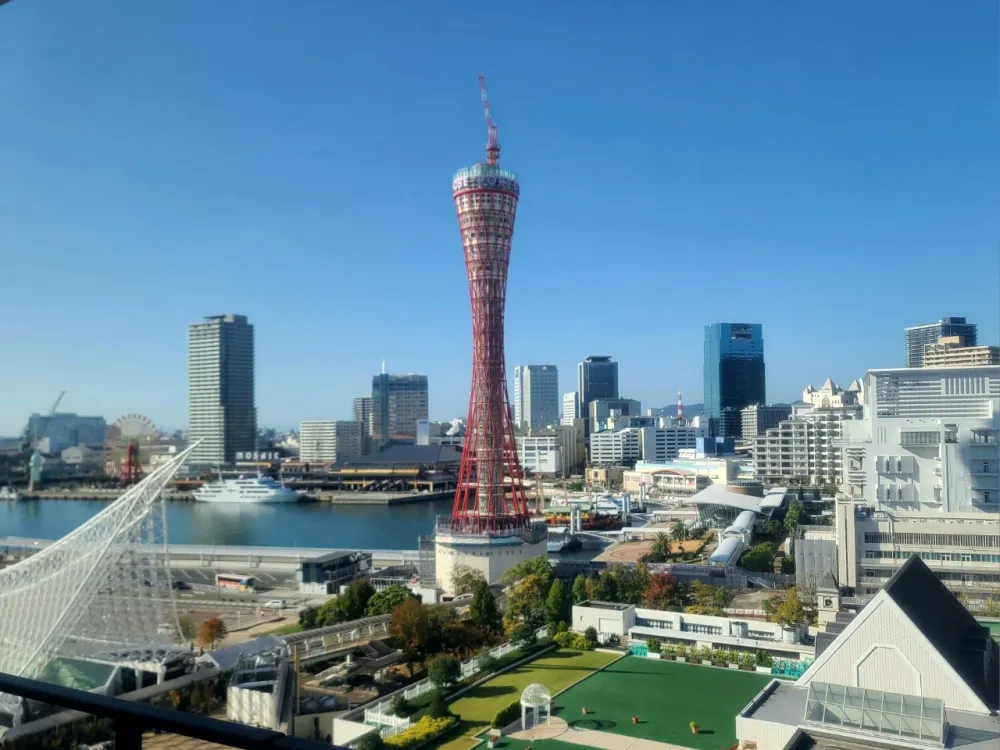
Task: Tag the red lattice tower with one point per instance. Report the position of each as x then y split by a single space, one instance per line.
490 495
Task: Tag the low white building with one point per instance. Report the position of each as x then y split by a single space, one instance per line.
330 440
639 624
615 448
805 448
551 451
661 444
913 669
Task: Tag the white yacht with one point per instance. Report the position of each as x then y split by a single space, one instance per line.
9 493
246 490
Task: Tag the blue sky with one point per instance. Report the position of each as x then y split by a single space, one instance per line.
826 169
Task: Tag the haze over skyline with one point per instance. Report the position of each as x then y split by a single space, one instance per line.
828 172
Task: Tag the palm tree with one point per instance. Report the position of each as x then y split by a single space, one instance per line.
660 547
678 532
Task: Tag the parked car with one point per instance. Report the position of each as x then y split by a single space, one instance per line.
181 585
274 604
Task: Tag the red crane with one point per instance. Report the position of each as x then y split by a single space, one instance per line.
492 144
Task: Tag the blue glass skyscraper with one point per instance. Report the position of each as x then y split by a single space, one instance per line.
734 374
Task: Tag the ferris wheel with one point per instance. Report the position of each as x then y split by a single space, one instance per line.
126 440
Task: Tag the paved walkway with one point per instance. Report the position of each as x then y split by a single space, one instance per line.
558 729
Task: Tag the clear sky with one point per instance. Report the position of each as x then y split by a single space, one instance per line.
826 169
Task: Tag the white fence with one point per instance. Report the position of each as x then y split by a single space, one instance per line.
380 715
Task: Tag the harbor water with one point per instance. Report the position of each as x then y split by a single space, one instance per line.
280 525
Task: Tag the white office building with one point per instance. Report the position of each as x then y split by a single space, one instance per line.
221 409
661 444
570 407
921 476
616 447
555 451
330 441
536 396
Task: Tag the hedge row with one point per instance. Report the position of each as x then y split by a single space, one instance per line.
506 715
569 639
425 730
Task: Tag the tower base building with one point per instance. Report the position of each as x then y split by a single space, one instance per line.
492 554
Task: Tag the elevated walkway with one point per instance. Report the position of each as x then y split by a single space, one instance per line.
324 643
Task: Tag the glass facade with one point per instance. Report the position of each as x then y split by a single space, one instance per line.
734 374
876 711
597 377
919 336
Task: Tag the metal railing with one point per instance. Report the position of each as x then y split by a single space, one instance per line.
131 720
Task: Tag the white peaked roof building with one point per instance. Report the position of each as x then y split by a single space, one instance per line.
832 396
912 669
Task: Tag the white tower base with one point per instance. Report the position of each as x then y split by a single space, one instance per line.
490 554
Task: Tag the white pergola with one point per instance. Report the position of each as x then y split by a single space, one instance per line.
535 697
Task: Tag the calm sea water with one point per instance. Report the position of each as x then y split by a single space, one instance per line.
300 525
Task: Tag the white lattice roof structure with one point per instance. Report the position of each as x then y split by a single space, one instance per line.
102 591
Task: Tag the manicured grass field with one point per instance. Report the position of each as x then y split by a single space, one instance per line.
666 696
556 671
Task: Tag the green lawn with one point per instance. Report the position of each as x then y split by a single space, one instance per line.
287 629
666 696
556 671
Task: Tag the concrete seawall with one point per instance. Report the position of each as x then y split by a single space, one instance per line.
334 498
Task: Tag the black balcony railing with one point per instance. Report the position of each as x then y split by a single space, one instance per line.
131 720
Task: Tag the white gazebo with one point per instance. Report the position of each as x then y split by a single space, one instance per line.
534 697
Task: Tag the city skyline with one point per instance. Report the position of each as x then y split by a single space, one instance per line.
148 195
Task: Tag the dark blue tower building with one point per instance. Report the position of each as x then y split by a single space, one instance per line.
734 374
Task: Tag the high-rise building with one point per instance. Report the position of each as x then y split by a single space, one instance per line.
922 476
570 407
734 374
364 409
398 401
222 411
949 352
489 529
53 433
596 377
917 337
536 396
330 440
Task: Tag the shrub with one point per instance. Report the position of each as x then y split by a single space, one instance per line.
653 645
506 715
576 641
591 634
371 741
486 661
398 706
763 659
444 671
438 707
427 729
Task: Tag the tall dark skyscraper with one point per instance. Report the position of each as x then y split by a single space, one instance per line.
734 374
597 377
919 336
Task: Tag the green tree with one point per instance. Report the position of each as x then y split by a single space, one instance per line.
536 566
349 605
760 557
790 611
371 741
309 618
580 589
444 671
526 602
678 531
660 548
773 528
523 635
557 605
486 661
590 634
794 516
465 579
383 602
483 612
630 582
788 564
606 589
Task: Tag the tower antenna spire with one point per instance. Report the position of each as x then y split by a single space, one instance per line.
492 144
